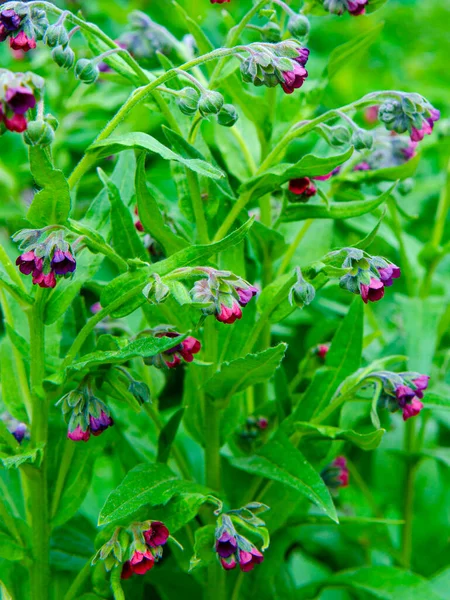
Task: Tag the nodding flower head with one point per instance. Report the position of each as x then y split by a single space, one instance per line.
85 414
336 474
248 560
232 548
226 545
373 291
46 256
146 548
139 564
99 424
22 42
10 20
183 351
157 535
411 113
402 391
223 293
339 7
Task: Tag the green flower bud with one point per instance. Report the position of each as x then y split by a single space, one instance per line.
63 56
302 292
271 32
298 25
52 121
227 115
188 101
337 135
362 140
210 103
140 391
56 35
39 133
86 70
40 22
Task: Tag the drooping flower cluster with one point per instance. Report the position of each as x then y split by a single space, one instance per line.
339 7
17 27
85 414
276 64
134 549
369 275
232 548
19 93
184 351
224 293
402 391
336 474
303 188
411 113
47 255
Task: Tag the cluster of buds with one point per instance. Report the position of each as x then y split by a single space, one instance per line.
276 64
146 39
389 151
302 292
234 549
339 7
22 27
134 549
85 414
19 93
18 429
207 102
410 112
402 391
303 188
46 255
223 293
183 351
253 428
336 474
369 275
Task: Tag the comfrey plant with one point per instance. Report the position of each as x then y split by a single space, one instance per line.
151 307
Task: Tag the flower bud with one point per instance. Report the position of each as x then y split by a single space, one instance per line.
298 25
361 139
271 32
210 103
337 135
52 121
63 56
39 133
140 391
302 293
227 116
188 101
56 35
40 22
86 71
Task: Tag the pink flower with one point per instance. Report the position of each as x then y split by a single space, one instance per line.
22 42
372 292
245 295
248 560
17 123
412 409
417 135
78 435
139 564
229 315
302 186
322 350
294 79
157 535
44 280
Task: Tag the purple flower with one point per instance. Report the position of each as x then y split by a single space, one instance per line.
10 20
336 474
245 295
410 150
157 535
362 166
262 422
357 7
20 99
19 432
186 349
226 545
78 434
229 315
421 384
98 425
303 55
372 292
294 79
387 274
228 563
27 262
248 560
63 262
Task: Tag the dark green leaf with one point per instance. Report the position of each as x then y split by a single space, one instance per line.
167 435
366 441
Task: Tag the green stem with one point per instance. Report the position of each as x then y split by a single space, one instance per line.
212 444
78 583
11 269
293 247
197 205
68 454
36 477
116 585
408 504
407 269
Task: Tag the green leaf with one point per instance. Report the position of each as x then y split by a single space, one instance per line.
143 141
335 210
204 553
308 166
148 484
167 435
144 347
351 51
15 291
23 455
125 238
10 550
10 383
386 583
342 360
180 510
51 205
150 214
437 400
237 375
366 441
399 172
280 461
370 237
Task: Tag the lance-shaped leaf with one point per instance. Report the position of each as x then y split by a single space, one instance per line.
399 172
150 214
335 210
351 51
167 435
143 141
144 347
125 238
366 441
194 255
51 205
308 166
237 375
280 461
147 484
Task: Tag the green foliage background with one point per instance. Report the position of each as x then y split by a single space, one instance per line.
410 53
